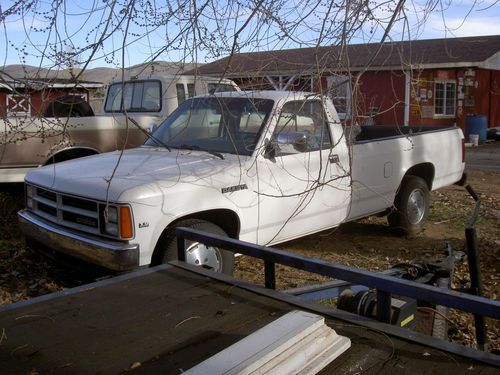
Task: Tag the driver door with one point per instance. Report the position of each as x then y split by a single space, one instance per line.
303 186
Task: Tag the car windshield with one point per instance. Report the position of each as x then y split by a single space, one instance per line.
214 124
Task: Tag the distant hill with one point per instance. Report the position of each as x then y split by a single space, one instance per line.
103 75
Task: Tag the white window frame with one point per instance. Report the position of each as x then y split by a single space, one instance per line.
444 82
21 107
332 81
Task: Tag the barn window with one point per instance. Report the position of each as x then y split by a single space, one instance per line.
339 90
18 104
445 98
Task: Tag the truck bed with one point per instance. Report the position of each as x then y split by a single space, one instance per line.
375 132
383 155
168 319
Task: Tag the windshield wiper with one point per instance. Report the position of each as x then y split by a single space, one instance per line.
158 142
198 148
149 135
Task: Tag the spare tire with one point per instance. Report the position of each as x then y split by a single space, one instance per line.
68 106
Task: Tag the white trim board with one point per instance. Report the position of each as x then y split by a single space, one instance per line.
297 343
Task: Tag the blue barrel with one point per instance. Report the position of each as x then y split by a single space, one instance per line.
476 124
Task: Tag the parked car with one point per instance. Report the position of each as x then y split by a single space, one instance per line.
131 108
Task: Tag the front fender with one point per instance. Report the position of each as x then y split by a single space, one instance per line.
154 214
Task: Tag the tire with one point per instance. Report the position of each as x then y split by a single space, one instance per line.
411 206
218 260
68 106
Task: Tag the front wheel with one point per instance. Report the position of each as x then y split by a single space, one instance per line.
411 206
197 254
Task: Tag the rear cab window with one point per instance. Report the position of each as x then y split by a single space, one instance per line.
220 87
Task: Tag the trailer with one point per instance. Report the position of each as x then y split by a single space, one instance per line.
172 317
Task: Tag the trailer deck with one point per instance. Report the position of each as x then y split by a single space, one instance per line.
169 318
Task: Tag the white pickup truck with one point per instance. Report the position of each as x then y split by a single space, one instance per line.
130 109
264 167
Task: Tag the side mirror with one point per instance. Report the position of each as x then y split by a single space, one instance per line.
152 128
270 149
298 140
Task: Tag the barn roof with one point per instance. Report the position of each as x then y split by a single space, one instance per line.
46 83
480 51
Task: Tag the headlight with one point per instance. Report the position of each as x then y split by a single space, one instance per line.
29 196
29 190
118 221
111 214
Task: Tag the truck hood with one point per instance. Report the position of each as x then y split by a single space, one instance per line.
156 168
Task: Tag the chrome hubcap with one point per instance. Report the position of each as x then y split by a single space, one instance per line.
205 256
415 210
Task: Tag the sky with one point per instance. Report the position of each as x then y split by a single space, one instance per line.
464 18
27 36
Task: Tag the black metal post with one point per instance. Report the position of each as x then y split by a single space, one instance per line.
384 306
269 275
476 287
181 249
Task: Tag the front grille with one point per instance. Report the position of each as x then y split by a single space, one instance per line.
67 210
81 219
79 203
47 209
50 195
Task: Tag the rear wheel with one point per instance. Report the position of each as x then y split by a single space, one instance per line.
411 206
68 106
197 254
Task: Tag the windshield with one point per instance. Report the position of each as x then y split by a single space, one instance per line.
225 125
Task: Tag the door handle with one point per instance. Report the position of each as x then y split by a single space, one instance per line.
334 159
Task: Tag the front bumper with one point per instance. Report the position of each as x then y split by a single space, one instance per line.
115 255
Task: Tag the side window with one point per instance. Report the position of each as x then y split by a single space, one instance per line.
151 100
339 90
127 96
302 127
211 87
142 96
191 90
136 96
181 93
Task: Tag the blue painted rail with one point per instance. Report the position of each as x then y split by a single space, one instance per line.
385 285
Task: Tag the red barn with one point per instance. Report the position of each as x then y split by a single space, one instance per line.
409 83
30 97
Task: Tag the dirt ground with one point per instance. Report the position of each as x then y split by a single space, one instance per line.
367 243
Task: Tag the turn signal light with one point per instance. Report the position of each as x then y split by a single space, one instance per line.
126 223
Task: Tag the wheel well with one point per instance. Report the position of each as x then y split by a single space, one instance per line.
226 219
71 153
424 171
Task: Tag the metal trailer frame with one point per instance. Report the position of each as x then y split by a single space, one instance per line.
385 286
